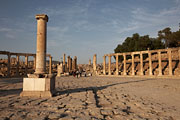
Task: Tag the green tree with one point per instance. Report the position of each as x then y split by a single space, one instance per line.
138 43
171 39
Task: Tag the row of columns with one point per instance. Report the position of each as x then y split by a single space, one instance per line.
70 65
169 53
26 64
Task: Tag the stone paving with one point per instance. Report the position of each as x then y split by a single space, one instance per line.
94 98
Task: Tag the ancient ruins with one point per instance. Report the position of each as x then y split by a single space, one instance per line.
15 67
133 85
66 68
162 62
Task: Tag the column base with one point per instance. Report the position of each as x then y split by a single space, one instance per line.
38 94
38 87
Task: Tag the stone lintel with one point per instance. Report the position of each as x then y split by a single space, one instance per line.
42 16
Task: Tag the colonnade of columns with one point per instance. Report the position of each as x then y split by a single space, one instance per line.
26 55
141 61
69 66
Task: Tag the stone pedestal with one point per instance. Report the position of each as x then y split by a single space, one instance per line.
38 87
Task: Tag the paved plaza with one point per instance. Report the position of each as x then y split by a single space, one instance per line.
98 98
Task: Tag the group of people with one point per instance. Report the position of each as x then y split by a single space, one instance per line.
78 73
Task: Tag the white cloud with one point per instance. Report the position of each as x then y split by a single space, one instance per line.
143 19
10 33
5 29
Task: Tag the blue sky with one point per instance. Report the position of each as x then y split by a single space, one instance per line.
83 27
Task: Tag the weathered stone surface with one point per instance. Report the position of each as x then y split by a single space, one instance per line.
94 98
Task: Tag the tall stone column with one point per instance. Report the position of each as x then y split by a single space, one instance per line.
132 55
117 64
9 66
141 63
160 64
26 64
109 67
170 61
124 56
64 59
68 63
94 62
104 65
40 84
41 44
75 62
150 63
34 62
17 65
50 64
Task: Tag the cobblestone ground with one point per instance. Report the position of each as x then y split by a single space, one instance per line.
95 98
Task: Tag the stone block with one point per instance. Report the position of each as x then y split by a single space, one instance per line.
38 87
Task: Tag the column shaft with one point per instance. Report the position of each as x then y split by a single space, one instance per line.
94 62
104 65
150 63
75 63
109 70
64 59
141 63
26 65
170 61
50 65
68 63
160 65
117 65
124 56
133 73
9 66
41 44
34 62
17 65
